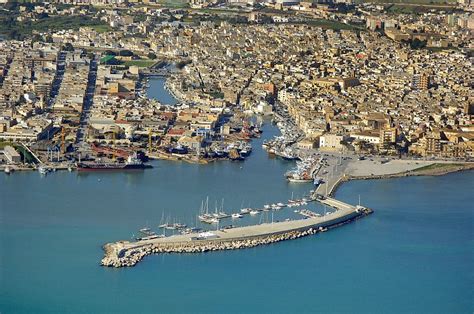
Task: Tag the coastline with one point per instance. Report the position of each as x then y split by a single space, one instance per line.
434 169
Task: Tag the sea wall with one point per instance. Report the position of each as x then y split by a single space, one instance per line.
123 254
115 257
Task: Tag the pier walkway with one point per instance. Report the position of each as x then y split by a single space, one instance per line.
125 253
334 203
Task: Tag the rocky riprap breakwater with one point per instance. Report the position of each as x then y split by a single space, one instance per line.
117 255
126 254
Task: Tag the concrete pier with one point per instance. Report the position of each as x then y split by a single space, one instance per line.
125 253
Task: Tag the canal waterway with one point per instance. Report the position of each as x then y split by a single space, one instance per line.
414 254
158 91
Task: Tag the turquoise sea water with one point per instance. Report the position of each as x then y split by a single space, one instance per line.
414 254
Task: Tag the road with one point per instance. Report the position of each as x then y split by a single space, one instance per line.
87 104
58 78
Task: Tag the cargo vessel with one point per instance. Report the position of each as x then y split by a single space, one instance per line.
132 163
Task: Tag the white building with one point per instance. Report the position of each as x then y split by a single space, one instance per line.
331 142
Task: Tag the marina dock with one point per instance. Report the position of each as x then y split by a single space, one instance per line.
126 253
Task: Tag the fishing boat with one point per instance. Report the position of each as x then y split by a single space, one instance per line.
299 180
43 170
245 149
318 181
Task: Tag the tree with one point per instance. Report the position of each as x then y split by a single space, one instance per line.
417 44
36 38
125 53
151 55
109 53
43 15
68 47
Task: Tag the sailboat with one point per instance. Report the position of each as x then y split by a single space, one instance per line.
162 223
206 217
222 213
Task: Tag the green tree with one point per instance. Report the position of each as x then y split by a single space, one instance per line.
36 38
109 53
125 53
68 47
417 44
151 55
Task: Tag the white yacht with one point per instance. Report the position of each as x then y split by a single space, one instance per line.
245 210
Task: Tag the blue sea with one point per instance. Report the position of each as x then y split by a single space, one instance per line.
413 255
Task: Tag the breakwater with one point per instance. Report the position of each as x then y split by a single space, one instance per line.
126 254
131 257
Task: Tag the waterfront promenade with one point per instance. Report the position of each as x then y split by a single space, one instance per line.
338 170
